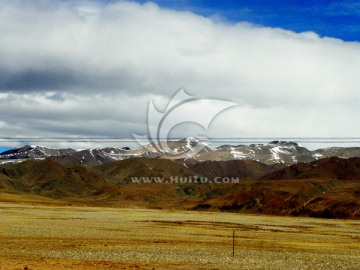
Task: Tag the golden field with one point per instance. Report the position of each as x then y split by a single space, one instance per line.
47 234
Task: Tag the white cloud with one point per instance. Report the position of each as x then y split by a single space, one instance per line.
87 68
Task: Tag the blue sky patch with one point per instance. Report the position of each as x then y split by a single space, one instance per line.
4 148
338 19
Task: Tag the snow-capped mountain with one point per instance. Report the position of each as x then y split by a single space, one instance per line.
278 152
190 149
33 152
271 153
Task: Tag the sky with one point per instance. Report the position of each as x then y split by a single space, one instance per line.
85 69
330 18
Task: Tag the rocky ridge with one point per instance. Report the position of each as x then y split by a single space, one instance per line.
276 152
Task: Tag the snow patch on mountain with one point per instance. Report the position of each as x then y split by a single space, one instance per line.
237 154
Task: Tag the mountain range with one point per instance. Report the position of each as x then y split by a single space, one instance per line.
277 152
327 188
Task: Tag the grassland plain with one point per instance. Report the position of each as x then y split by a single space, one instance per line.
52 235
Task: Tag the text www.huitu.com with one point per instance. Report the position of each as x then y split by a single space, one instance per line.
184 180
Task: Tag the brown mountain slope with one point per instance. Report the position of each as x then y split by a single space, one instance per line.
244 169
107 185
336 194
317 198
122 171
332 168
5 183
325 188
53 179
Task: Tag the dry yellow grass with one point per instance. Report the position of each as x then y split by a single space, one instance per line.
71 237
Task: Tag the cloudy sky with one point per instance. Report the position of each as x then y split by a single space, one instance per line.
90 68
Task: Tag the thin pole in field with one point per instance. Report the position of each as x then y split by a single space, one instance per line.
233 244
